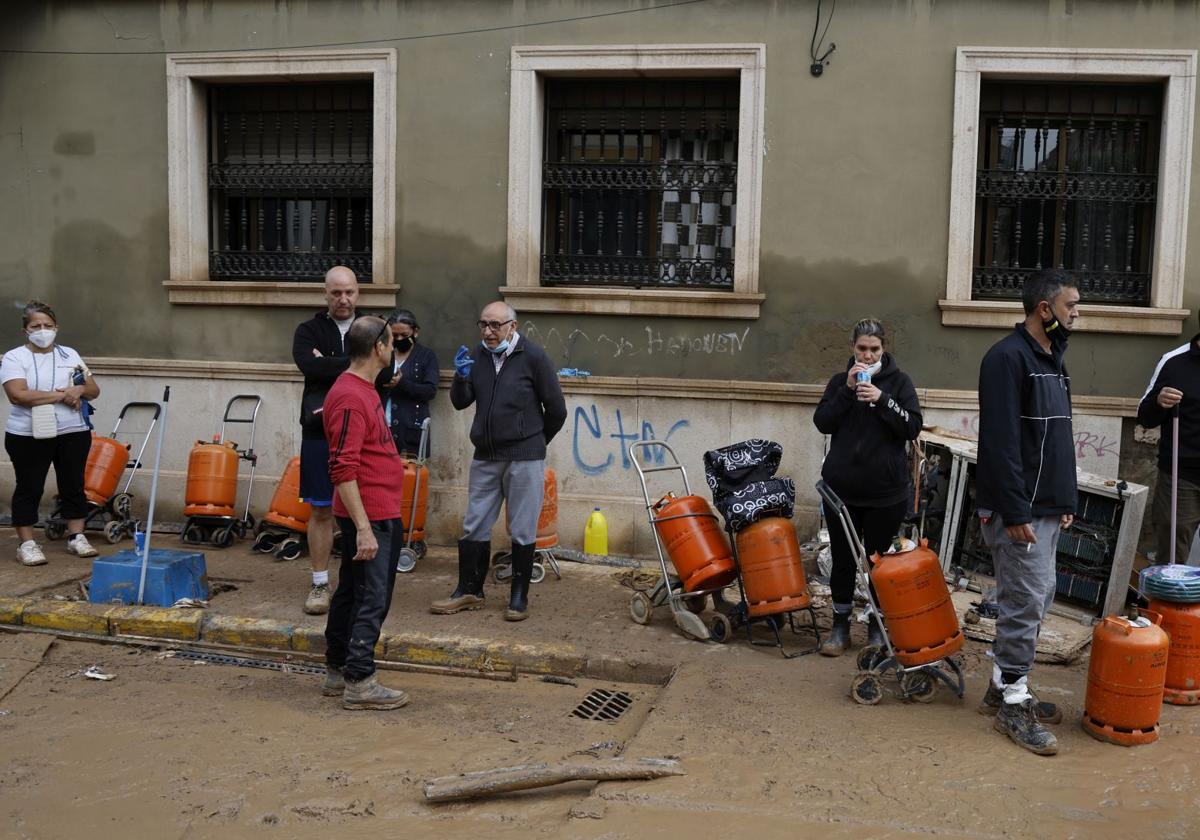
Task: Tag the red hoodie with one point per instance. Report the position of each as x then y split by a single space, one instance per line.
361 448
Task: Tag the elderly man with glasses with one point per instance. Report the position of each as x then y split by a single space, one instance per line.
519 408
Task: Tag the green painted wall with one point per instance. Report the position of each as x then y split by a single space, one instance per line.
855 189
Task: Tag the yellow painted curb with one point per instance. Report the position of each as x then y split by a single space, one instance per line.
248 632
308 639
69 616
159 622
11 609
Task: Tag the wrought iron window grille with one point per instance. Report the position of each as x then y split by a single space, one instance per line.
1067 178
639 182
289 180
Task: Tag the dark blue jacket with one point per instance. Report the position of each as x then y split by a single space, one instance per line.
519 410
411 397
1026 445
1179 369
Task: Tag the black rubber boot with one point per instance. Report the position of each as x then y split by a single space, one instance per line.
875 632
522 573
839 636
473 560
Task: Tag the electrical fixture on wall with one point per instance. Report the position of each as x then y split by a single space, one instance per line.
819 62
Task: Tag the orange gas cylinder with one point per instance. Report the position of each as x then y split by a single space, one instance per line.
105 465
1126 677
411 471
772 572
916 605
695 545
1181 622
287 510
547 529
211 479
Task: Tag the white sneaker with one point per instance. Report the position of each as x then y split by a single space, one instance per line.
30 554
80 547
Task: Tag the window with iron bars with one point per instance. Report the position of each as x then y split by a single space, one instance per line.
289 180
639 181
1067 179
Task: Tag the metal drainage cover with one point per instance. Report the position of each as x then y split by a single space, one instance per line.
602 704
248 662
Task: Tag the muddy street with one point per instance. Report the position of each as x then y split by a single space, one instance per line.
771 747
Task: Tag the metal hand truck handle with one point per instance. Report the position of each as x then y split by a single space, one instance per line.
838 508
644 471
136 463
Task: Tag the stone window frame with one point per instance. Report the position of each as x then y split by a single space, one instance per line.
187 156
529 66
1176 69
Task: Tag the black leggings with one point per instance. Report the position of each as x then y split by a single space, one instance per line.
876 526
31 460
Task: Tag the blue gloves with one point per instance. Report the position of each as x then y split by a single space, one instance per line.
463 362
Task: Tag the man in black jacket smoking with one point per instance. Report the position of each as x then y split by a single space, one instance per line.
519 408
1026 492
1174 392
319 350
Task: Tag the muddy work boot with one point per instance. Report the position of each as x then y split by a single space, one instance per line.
371 695
839 636
1046 713
335 683
473 562
317 602
1016 718
522 574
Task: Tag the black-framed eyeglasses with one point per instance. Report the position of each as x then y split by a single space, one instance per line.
494 325
387 326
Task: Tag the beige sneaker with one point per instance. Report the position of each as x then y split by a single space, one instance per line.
29 553
317 602
80 547
370 694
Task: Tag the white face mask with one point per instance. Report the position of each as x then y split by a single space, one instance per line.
43 337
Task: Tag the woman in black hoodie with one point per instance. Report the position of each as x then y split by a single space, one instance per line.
869 422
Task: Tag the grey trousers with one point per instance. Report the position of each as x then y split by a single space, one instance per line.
493 483
1187 517
1025 583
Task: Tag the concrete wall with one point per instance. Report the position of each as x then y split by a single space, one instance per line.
854 221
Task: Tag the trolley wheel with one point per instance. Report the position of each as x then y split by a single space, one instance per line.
407 560
267 542
113 531
640 608
538 573
919 686
869 657
288 550
720 628
501 572
223 537
696 603
122 505
420 548
866 689
55 529
192 535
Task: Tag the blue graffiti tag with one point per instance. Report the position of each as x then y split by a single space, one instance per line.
623 438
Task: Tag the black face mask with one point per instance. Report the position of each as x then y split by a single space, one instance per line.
1056 331
403 345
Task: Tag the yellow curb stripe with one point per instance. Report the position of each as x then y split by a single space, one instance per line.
159 622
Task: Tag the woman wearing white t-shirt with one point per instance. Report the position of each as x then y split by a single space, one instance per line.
46 425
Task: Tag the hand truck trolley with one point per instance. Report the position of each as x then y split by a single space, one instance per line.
107 509
414 549
688 608
917 675
211 495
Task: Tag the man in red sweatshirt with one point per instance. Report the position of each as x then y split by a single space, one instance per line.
366 474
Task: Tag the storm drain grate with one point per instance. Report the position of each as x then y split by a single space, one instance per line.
221 659
602 704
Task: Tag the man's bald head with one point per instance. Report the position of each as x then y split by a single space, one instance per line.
498 311
341 292
504 316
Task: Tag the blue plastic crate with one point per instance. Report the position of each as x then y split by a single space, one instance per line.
171 574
